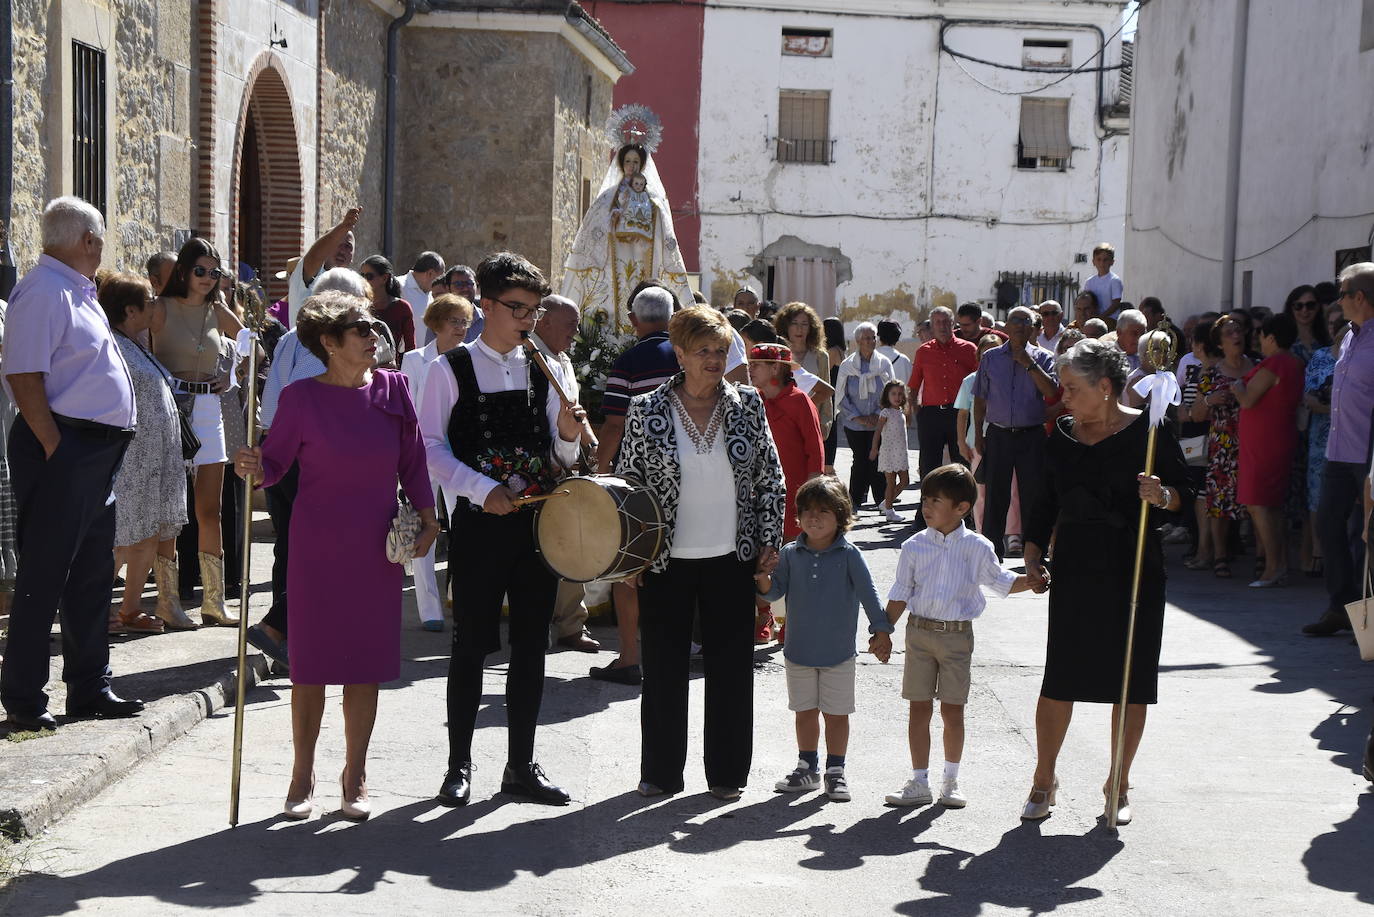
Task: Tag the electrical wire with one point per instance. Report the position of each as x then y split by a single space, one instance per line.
1264 251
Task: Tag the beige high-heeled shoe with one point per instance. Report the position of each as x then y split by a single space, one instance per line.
357 808
212 608
1039 802
299 809
169 609
1123 806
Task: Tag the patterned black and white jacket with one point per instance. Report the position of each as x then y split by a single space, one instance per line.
648 453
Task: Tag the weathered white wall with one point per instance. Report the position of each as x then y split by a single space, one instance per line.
924 196
1306 148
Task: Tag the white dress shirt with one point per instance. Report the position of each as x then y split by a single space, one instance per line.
496 372
1050 343
938 576
411 293
901 364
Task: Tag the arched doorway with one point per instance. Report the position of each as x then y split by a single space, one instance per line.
267 206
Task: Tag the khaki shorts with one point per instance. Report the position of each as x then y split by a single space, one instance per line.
937 665
831 688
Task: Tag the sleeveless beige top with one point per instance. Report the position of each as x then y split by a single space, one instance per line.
189 343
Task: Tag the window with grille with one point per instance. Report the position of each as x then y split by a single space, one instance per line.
88 124
1043 140
804 126
806 42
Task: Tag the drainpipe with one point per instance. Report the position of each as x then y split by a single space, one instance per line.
1229 228
8 275
393 64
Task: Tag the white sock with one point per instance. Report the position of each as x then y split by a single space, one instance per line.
921 773
951 770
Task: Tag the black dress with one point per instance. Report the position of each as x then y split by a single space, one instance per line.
1091 501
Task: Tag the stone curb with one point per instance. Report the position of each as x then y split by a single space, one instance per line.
105 756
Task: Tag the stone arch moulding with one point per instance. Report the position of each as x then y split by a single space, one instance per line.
792 247
267 100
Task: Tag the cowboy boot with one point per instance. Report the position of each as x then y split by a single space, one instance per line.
169 609
212 609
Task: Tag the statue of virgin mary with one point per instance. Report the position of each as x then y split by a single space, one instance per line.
627 233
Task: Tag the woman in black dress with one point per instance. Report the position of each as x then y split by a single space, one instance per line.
1092 507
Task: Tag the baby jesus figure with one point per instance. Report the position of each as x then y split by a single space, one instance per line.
634 209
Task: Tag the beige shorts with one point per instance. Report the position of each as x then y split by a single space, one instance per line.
831 688
937 665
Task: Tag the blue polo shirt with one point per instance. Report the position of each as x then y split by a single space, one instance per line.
643 368
824 590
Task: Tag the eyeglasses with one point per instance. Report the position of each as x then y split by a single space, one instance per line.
1345 293
520 310
366 327
460 323
1018 320
1306 304
201 271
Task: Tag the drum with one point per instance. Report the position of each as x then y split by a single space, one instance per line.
604 527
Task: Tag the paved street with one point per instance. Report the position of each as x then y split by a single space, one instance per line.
1247 799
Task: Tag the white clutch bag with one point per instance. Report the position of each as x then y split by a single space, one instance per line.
400 540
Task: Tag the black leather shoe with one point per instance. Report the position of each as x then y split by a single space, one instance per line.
105 704
36 723
1327 625
620 674
529 781
457 788
270 648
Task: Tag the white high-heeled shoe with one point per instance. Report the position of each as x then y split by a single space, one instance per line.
1123 806
358 808
1039 802
300 809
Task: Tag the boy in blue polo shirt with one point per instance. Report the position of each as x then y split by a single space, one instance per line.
825 580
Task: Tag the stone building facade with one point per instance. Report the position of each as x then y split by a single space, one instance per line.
257 123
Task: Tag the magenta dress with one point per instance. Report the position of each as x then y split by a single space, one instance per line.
343 595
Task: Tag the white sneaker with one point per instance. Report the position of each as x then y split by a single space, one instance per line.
915 793
892 515
836 787
950 797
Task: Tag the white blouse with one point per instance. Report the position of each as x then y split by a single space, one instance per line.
706 502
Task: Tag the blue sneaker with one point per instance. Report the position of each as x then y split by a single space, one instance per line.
434 626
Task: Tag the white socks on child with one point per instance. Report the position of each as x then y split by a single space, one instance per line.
923 773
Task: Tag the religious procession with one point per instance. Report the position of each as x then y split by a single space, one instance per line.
696 440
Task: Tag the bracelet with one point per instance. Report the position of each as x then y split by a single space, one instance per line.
1165 498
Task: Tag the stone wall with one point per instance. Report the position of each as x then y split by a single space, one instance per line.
352 140
31 143
582 102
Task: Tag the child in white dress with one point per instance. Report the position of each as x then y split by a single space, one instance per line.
889 446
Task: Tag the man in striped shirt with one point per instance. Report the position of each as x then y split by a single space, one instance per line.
641 369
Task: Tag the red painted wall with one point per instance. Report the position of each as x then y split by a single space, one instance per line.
663 41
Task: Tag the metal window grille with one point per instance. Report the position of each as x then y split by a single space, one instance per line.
804 126
1043 139
1030 288
88 124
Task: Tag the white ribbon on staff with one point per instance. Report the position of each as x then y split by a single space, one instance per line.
1160 390
244 342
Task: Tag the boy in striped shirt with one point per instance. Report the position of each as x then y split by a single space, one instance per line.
939 577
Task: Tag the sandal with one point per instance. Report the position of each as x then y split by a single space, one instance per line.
1222 569
1198 563
140 623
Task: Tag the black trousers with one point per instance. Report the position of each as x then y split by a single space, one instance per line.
281 496
832 443
937 429
722 590
1006 451
864 476
1342 489
66 529
491 558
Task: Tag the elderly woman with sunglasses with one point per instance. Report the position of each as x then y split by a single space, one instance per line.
198 335
354 434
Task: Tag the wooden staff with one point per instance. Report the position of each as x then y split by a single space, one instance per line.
241 686
1162 354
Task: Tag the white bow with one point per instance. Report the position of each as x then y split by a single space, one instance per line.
244 342
1159 389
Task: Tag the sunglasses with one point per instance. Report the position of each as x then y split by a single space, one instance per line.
1306 304
366 327
201 271
520 310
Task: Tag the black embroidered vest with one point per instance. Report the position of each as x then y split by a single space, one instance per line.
503 435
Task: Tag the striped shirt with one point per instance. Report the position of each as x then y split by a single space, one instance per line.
291 362
642 368
938 576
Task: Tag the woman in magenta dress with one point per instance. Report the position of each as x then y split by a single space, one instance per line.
354 433
1268 396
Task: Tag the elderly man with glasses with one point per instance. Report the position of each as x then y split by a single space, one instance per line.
1009 395
1051 325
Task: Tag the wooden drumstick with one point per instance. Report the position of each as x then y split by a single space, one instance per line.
539 498
538 357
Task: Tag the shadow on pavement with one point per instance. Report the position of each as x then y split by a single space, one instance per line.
1340 859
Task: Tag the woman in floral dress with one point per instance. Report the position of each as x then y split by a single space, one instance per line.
1217 404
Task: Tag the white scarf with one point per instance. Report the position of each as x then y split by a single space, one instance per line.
879 373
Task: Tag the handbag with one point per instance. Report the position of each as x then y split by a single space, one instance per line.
1360 623
185 402
1194 449
400 539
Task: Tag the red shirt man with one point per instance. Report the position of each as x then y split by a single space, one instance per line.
937 371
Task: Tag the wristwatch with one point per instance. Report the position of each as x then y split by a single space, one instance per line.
1165 498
